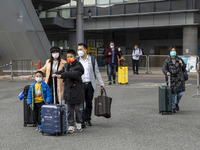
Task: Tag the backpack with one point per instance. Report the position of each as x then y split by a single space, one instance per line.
93 64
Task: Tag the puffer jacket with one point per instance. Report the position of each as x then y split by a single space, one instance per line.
176 71
73 87
46 93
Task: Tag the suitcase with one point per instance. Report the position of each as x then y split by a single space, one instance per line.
165 99
122 75
53 117
103 105
29 114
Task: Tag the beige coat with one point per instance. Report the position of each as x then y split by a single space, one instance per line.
47 69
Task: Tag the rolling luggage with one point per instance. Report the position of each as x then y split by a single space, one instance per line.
103 105
122 75
29 114
165 98
54 116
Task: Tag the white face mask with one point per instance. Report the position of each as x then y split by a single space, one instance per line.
55 55
38 79
80 53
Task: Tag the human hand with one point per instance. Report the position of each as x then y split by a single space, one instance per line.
103 87
168 73
180 61
58 76
54 75
30 105
47 103
137 55
109 53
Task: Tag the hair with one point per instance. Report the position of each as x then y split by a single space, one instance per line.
39 72
112 42
84 45
171 47
137 45
71 51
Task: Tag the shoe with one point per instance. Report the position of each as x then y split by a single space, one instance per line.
109 83
114 82
39 128
88 123
137 73
134 73
70 129
177 107
174 110
79 127
83 125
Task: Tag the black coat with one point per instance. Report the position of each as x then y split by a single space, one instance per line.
73 89
176 71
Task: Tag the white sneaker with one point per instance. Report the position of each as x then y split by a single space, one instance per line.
78 127
70 129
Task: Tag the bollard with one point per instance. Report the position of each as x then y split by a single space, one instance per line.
39 64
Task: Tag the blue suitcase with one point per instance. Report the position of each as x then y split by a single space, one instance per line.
53 117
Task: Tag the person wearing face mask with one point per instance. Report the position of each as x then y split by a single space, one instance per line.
39 94
91 73
74 90
112 55
54 64
174 67
137 52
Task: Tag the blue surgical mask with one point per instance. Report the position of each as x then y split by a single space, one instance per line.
38 79
173 53
111 46
119 49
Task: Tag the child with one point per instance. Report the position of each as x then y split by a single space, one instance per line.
74 90
39 93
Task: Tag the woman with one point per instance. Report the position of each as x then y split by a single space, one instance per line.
54 64
174 66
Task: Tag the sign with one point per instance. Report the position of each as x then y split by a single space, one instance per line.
190 63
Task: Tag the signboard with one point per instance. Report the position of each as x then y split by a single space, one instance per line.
190 63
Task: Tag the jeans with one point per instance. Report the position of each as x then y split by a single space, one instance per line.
176 97
78 109
111 71
135 65
89 93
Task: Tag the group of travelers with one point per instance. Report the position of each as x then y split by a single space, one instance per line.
78 75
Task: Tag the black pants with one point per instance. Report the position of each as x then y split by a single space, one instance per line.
37 109
89 93
135 65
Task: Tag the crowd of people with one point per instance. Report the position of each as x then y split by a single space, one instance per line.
78 76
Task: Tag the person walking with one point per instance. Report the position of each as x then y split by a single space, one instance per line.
112 55
91 73
137 52
174 67
54 64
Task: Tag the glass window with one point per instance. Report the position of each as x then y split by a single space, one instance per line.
89 2
178 5
42 14
52 14
116 1
130 0
73 3
65 13
102 1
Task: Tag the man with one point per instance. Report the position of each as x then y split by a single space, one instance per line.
174 67
137 52
91 73
112 54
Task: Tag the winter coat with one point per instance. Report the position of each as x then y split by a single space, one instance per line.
73 87
109 57
46 93
47 69
176 73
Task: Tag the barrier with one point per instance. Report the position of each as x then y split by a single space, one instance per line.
198 76
20 67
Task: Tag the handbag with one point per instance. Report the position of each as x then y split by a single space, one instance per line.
103 105
185 74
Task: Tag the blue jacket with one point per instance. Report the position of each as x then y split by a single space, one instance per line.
46 93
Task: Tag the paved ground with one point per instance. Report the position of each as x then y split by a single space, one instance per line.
135 122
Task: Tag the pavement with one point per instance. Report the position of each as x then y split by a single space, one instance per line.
135 123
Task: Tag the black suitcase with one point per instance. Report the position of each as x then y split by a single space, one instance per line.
165 99
29 114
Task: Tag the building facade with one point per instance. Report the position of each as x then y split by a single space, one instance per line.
154 24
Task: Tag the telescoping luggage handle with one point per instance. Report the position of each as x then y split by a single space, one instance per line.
169 81
54 91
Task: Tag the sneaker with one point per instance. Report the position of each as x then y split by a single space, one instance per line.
88 123
177 107
79 127
109 83
70 129
137 73
114 82
39 128
174 110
